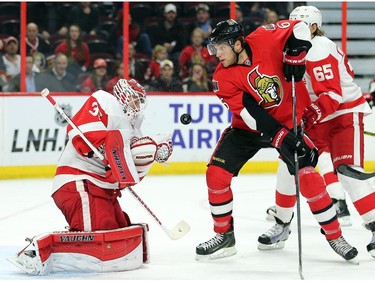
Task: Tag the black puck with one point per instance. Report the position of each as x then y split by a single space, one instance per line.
185 118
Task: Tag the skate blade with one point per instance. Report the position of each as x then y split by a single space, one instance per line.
345 221
372 253
268 247
220 254
354 261
15 261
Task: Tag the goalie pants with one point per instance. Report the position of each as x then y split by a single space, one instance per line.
87 207
233 150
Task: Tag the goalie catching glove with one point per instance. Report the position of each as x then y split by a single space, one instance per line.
145 150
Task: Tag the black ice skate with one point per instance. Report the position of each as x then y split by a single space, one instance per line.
275 237
220 246
344 249
342 211
371 247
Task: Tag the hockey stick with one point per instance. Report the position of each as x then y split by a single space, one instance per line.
353 173
369 133
296 179
175 233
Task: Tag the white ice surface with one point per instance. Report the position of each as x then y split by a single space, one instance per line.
26 209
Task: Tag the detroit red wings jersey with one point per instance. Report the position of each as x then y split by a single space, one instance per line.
263 79
101 112
328 71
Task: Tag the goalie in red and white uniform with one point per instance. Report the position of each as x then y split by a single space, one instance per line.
334 120
101 236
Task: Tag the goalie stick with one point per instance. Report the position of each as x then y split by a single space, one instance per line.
176 232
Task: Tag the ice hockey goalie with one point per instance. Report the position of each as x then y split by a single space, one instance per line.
97 251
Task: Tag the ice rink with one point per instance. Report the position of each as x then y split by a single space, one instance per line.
26 209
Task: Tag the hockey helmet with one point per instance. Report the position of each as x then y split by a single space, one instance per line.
225 31
131 96
307 14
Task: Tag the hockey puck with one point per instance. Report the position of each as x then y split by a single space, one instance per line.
185 118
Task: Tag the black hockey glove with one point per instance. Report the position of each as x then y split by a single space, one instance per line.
287 142
370 98
295 64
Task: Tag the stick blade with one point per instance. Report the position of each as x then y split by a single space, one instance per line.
180 230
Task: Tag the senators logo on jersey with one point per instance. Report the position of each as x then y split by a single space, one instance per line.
267 87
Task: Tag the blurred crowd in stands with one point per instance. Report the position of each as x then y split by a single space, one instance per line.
78 46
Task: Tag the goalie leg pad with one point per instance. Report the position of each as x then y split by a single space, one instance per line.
98 251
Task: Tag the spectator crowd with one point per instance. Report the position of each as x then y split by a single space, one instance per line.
78 46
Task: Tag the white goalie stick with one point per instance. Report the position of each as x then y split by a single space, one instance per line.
176 232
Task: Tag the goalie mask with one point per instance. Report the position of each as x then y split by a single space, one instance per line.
225 31
131 96
307 14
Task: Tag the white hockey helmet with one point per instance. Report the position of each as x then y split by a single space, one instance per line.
131 96
307 14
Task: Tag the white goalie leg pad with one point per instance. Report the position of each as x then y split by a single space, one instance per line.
98 251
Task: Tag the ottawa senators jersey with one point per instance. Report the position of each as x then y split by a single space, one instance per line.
328 72
99 114
263 79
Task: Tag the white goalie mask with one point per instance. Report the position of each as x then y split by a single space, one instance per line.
307 14
132 97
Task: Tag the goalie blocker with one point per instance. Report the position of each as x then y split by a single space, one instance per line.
98 251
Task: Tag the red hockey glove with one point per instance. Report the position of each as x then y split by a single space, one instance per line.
310 115
294 64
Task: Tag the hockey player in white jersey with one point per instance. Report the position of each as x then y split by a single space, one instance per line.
101 236
333 120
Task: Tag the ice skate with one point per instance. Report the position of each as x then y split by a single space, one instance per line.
275 237
344 249
371 247
342 211
26 261
220 246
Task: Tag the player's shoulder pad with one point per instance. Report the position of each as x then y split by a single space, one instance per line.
321 48
108 103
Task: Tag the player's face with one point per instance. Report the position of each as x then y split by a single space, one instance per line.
225 54
135 102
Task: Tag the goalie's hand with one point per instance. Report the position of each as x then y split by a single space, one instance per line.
165 147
